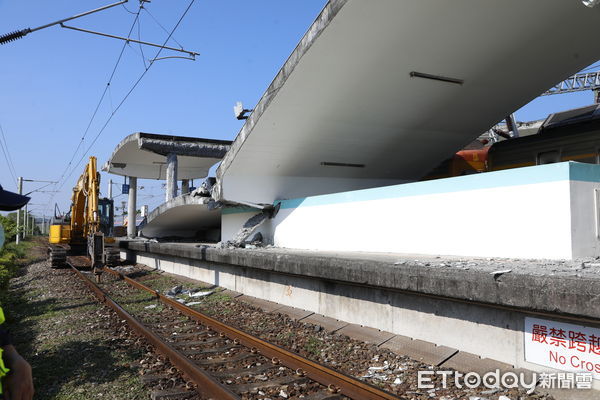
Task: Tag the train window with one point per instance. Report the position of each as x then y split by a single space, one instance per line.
588 160
548 157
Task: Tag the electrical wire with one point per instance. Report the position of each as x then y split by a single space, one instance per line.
150 64
163 28
7 157
139 28
106 89
146 69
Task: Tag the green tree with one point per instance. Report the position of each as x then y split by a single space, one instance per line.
10 228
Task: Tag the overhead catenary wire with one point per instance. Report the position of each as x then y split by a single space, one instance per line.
163 28
132 88
7 157
146 69
106 89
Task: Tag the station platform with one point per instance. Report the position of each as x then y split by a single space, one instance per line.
464 313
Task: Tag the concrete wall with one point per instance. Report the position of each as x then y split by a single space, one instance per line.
548 211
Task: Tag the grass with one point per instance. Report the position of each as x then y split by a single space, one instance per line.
313 345
66 337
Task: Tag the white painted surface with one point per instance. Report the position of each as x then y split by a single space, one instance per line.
348 97
496 214
585 215
562 346
451 223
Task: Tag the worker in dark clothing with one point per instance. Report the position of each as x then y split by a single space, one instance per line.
15 372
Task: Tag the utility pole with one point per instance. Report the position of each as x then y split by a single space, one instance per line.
18 239
110 183
25 223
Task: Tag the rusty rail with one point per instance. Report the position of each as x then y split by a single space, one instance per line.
345 384
206 384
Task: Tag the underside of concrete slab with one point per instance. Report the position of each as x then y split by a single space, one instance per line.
143 155
378 93
186 216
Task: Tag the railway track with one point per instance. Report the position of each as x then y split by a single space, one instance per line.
219 361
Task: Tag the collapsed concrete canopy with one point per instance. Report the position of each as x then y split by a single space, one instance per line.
380 92
143 155
185 216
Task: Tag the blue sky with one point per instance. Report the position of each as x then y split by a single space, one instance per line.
51 80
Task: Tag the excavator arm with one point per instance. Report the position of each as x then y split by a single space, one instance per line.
85 219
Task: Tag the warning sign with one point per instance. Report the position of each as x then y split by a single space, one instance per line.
562 346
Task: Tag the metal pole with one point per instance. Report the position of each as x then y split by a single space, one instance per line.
110 189
25 223
9 37
191 53
511 125
83 14
18 239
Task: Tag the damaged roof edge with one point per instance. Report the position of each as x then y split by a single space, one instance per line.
180 145
328 13
191 149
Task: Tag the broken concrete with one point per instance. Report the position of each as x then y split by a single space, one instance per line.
185 216
143 155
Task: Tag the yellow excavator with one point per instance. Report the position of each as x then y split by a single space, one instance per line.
87 228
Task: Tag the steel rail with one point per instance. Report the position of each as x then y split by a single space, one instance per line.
207 385
334 380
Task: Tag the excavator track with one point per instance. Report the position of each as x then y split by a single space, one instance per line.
57 255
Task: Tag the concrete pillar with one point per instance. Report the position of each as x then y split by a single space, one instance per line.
110 189
185 186
171 177
131 207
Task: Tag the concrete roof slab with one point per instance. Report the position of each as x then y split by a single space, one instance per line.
143 155
347 110
183 216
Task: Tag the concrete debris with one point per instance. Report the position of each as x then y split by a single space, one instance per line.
248 229
205 189
202 294
174 291
590 264
150 306
381 372
193 303
504 398
283 394
497 274
124 269
491 391
257 238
